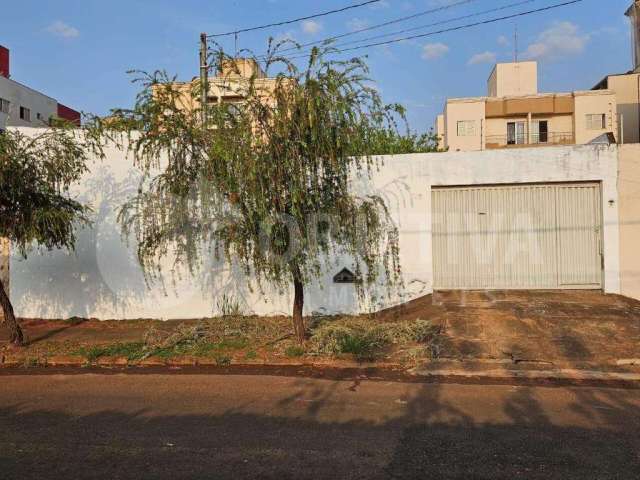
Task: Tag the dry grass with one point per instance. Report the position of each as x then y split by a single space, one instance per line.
243 338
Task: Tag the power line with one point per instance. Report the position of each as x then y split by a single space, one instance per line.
287 22
442 22
452 29
390 22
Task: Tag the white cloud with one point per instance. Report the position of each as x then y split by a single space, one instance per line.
434 50
357 24
484 57
61 29
562 39
311 27
503 41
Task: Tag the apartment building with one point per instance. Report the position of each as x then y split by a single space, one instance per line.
626 86
514 114
21 106
228 85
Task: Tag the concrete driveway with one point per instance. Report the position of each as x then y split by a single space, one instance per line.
566 328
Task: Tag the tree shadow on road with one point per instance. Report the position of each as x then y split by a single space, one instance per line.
331 429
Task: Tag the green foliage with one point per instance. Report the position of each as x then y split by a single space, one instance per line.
222 360
228 306
365 338
294 351
36 173
391 142
36 208
131 351
214 339
266 183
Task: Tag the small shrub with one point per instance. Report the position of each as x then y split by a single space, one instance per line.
222 360
356 345
356 337
251 355
132 351
294 351
366 338
228 306
30 362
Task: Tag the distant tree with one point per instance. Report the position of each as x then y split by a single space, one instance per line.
267 182
392 142
36 209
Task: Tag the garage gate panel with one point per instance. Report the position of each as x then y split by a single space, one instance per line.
517 236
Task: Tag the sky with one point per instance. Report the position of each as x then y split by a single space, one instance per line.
79 51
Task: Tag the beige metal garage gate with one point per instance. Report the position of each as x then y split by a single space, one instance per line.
517 236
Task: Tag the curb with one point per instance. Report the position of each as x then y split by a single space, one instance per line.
185 361
544 375
462 374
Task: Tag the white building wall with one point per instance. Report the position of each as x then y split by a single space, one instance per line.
21 95
103 280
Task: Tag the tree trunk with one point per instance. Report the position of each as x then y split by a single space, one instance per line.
298 304
15 332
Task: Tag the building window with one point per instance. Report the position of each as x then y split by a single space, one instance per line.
466 128
4 105
516 133
25 114
540 131
597 121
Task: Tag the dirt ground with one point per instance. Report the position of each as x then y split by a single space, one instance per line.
555 327
563 327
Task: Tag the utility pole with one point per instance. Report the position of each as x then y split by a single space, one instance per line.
204 77
515 44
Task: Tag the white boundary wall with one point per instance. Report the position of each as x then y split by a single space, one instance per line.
103 280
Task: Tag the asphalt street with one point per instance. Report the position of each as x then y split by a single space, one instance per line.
127 426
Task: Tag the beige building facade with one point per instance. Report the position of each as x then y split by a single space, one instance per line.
634 16
514 114
513 79
629 208
626 86
229 85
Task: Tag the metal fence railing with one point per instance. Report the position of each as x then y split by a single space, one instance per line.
545 138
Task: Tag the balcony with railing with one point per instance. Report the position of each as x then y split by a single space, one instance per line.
523 140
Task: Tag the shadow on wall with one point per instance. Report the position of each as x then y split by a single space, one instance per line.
59 284
102 278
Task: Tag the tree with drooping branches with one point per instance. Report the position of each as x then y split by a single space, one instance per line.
266 182
37 209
